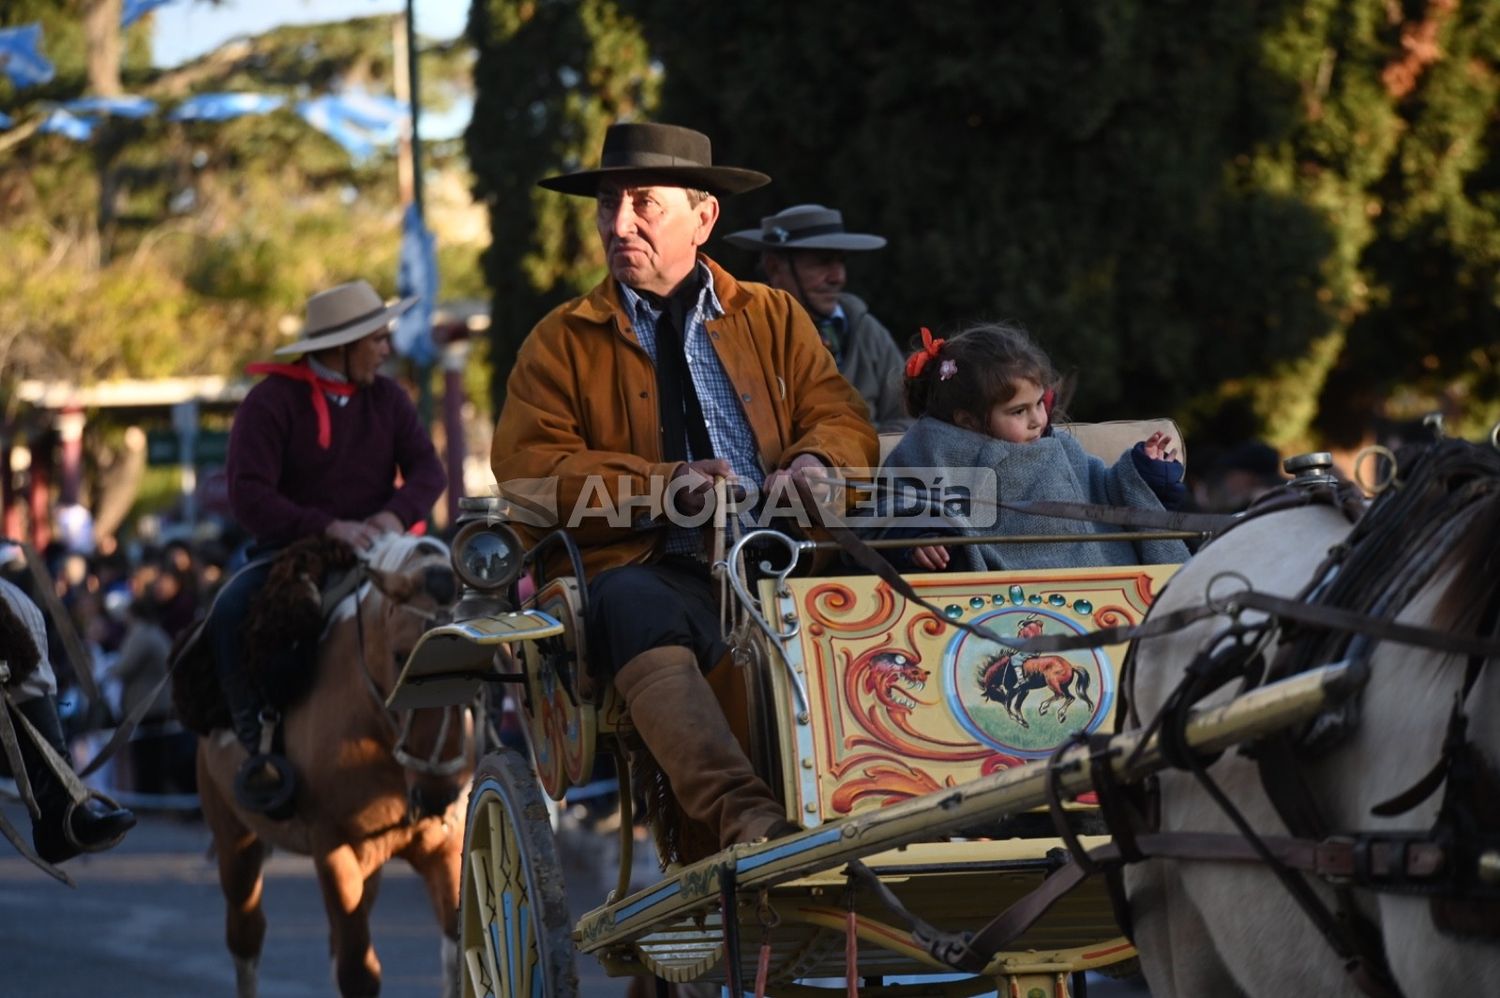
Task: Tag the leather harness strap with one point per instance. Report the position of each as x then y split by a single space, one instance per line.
1392 858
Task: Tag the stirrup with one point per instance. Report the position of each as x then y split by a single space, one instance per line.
67 823
273 801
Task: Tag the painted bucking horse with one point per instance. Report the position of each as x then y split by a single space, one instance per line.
1008 677
372 784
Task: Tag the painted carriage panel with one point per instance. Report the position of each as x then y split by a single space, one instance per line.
561 727
901 703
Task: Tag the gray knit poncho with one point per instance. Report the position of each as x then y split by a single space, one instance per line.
1053 469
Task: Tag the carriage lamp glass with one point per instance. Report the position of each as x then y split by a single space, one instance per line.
487 555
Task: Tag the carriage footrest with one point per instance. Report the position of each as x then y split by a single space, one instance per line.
452 659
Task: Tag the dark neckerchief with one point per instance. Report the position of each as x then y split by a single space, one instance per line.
683 428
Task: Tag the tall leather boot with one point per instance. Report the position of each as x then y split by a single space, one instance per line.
264 782
673 708
93 824
243 703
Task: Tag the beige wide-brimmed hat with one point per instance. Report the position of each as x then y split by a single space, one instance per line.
665 154
342 315
804 227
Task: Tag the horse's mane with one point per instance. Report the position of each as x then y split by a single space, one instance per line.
1476 579
1446 500
390 551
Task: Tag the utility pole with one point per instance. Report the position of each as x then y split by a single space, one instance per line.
409 171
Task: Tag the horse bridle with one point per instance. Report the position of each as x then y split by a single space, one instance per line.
399 723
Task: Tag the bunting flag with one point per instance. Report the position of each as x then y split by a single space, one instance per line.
134 10
357 121
21 56
60 121
121 107
416 276
223 107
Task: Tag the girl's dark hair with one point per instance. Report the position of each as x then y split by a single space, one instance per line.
988 363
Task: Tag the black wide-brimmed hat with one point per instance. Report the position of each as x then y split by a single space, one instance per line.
804 227
668 154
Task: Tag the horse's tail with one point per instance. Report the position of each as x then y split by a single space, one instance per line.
1083 686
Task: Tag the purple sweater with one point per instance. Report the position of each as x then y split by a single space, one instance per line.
283 486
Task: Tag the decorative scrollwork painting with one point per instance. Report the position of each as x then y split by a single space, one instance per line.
902 703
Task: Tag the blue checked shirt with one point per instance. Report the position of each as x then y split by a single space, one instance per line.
728 429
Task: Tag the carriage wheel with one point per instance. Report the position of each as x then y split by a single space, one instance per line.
515 931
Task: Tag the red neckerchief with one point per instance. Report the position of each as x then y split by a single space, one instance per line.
301 372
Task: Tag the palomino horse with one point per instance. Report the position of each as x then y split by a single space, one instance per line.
1224 928
373 784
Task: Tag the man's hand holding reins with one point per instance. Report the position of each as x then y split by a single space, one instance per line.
358 535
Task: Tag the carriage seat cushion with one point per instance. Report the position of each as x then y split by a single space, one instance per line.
1106 440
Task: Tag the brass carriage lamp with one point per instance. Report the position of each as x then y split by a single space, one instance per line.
487 555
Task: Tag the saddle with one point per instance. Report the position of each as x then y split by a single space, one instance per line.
279 634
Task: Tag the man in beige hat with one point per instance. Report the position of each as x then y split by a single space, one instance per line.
315 449
802 251
668 375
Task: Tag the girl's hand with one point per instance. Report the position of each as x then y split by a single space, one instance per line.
1159 447
933 557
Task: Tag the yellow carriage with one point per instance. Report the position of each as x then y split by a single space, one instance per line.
894 737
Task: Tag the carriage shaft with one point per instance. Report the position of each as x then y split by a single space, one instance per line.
765 865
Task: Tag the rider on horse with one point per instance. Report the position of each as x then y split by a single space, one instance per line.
315 450
70 820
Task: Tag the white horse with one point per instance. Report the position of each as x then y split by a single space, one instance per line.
1231 928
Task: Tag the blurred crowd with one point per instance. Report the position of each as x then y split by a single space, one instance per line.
128 607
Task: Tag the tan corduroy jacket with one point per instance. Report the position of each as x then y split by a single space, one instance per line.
581 423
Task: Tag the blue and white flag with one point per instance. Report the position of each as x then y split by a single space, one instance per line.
222 107
383 117
21 56
5 121
62 122
134 10
323 114
417 275
120 107
357 121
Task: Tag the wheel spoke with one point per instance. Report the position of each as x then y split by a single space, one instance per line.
479 978
514 939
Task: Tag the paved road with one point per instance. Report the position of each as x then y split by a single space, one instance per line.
146 921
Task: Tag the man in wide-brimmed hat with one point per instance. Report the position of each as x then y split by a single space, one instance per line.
315 449
668 375
802 252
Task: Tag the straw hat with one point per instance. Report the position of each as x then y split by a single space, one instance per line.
342 315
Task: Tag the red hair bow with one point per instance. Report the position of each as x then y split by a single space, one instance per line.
917 362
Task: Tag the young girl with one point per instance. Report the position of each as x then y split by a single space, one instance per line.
983 399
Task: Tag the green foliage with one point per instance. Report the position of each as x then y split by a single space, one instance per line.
1257 216
170 249
550 76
